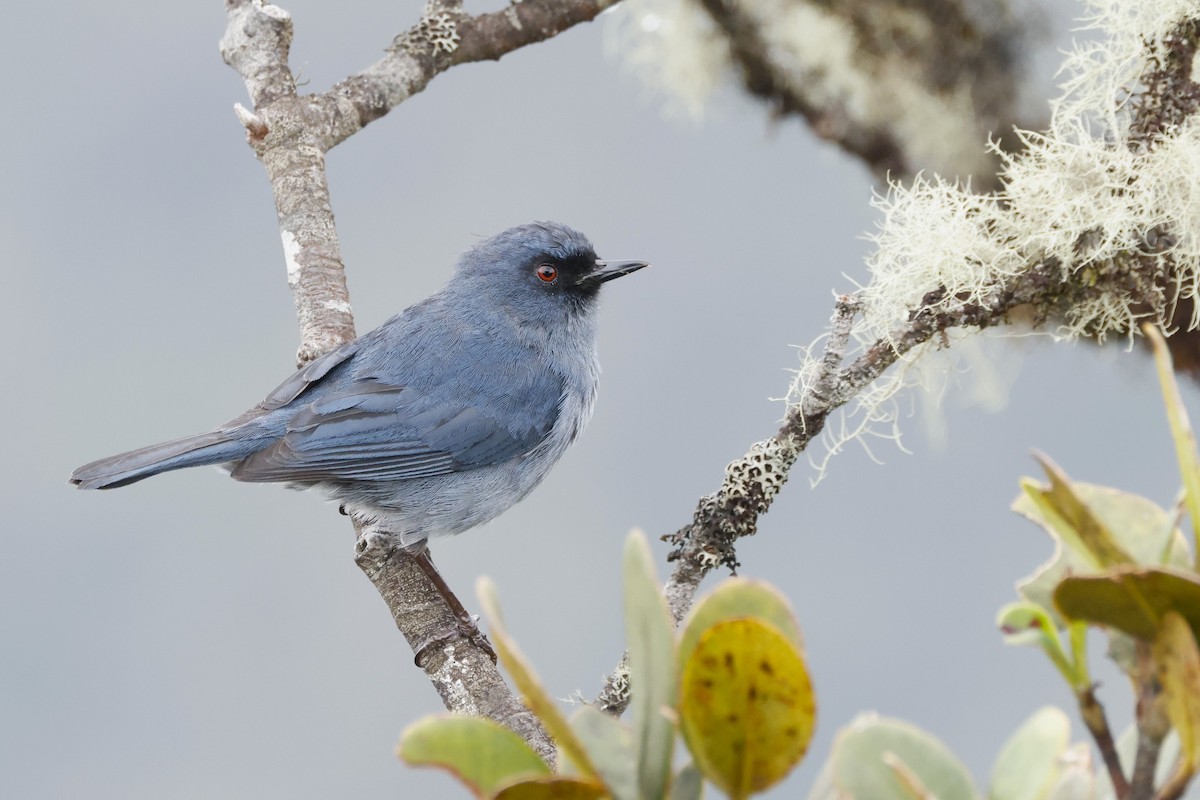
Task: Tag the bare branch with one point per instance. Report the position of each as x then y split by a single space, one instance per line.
442 39
463 674
256 44
752 481
257 39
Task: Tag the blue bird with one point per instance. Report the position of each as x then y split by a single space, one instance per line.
443 417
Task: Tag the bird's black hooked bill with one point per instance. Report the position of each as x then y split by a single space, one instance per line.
607 270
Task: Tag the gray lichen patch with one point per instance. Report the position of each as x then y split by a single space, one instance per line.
439 31
757 477
616 693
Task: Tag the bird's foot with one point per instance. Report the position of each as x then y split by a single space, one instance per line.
465 627
480 640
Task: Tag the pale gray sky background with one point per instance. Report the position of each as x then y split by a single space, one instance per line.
192 637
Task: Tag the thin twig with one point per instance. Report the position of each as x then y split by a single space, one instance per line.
1153 724
1141 783
1092 712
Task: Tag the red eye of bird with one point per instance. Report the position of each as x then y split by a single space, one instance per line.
548 273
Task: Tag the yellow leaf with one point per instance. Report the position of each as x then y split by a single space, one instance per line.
746 706
738 598
1178 660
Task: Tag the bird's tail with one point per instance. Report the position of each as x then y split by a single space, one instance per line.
214 447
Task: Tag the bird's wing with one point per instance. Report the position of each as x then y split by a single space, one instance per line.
298 383
372 431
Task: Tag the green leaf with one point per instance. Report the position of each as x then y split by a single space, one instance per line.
746 706
688 784
529 685
1073 519
556 787
738 598
1030 762
1131 599
482 754
1025 624
651 640
1029 624
1143 529
870 755
1178 661
610 744
1181 431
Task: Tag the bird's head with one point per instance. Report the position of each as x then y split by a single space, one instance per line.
540 271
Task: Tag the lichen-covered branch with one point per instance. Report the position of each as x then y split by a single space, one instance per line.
1168 97
1098 228
752 482
291 133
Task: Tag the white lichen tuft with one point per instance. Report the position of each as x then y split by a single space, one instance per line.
1092 199
873 415
673 47
1078 194
933 234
